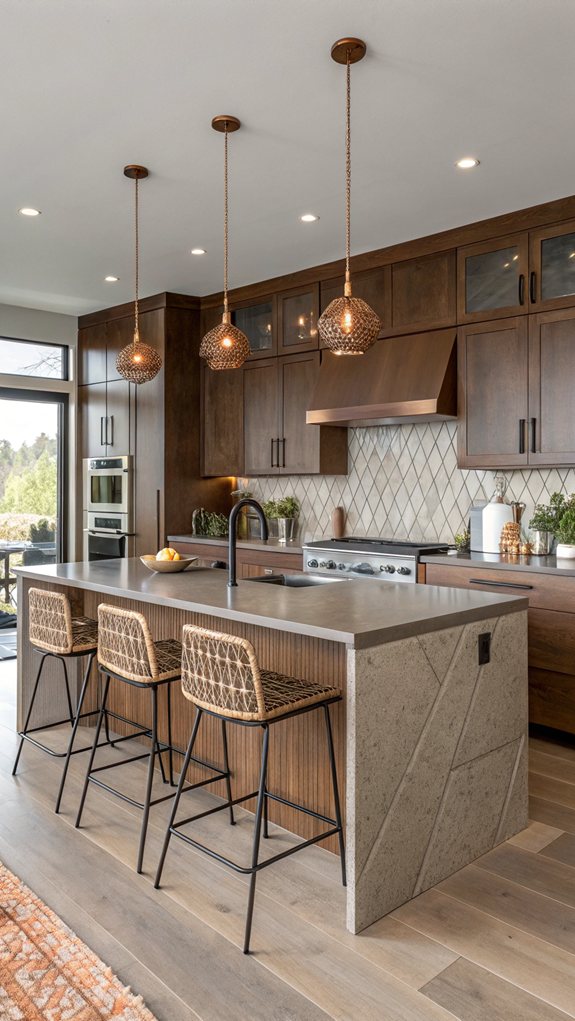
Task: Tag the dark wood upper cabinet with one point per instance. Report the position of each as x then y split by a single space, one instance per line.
373 285
297 316
92 417
222 422
210 317
92 354
261 417
552 267
423 293
492 390
259 323
551 386
492 279
119 414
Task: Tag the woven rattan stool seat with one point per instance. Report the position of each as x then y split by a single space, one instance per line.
53 628
126 647
283 693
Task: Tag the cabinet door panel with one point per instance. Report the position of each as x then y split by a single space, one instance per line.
118 413
92 354
261 417
551 387
258 322
120 333
299 452
492 279
92 401
297 316
493 382
222 422
423 293
552 265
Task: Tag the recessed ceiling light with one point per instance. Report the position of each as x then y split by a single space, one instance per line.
28 211
309 218
111 280
198 251
467 163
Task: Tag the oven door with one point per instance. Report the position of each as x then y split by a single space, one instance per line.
108 491
105 546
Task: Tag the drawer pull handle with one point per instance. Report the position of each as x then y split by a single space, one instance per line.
498 584
522 424
521 294
532 288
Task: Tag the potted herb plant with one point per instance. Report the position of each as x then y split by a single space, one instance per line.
545 523
566 532
285 512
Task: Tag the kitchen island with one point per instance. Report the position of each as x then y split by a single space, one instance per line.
431 745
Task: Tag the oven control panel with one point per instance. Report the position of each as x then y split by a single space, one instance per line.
349 564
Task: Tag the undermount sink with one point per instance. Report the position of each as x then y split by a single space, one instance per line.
294 580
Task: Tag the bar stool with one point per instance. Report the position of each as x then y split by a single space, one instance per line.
221 676
127 653
54 632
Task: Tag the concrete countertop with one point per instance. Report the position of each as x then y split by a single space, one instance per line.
497 561
256 544
359 614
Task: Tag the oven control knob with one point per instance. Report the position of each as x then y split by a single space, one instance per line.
322 563
331 565
363 569
388 568
312 563
404 570
341 567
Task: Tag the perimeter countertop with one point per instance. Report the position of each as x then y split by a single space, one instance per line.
257 544
497 561
357 613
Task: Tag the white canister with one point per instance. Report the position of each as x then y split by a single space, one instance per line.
495 514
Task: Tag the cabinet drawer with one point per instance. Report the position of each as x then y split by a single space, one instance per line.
552 641
548 591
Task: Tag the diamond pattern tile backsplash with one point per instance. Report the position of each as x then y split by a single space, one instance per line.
404 483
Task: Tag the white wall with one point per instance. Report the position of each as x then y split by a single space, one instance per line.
36 324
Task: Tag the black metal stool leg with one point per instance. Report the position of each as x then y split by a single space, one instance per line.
74 729
227 770
68 696
257 833
151 761
171 750
181 783
335 793
44 657
101 715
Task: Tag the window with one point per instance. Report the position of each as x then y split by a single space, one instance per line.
26 358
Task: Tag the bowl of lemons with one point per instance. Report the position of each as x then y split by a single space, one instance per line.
167 561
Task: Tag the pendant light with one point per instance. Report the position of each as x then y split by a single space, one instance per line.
225 347
137 362
348 326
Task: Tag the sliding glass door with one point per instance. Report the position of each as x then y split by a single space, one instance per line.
32 481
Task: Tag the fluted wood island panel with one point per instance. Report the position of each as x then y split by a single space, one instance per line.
430 745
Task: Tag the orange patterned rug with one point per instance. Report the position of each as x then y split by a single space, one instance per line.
47 973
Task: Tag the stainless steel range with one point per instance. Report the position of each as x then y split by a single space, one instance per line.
355 557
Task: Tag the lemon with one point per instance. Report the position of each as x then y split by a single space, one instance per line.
176 556
164 554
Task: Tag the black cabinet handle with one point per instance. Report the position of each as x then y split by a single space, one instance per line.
102 440
283 452
111 442
533 435
498 584
522 424
521 288
272 465
532 288
158 498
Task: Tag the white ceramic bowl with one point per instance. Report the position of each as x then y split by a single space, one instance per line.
166 566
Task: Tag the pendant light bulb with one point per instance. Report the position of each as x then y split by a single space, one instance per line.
225 347
137 362
349 326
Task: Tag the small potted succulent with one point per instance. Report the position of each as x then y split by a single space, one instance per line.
545 523
285 512
566 532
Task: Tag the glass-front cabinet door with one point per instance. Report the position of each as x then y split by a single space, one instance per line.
552 267
492 279
298 313
257 321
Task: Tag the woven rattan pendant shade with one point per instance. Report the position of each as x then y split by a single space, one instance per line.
225 347
348 326
137 362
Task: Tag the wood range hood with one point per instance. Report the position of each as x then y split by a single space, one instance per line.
400 379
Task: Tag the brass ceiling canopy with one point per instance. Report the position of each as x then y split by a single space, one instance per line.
349 326
225 347
137 362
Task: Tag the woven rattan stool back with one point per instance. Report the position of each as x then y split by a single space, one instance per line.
125 644
50 621
220 673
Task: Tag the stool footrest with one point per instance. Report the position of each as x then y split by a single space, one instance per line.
52 751
248 870
126 797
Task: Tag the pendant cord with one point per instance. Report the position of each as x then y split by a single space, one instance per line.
137 264
347 167
226 219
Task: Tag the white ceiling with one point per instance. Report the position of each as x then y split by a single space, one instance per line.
89 85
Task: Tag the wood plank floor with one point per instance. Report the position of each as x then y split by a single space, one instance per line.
495 942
